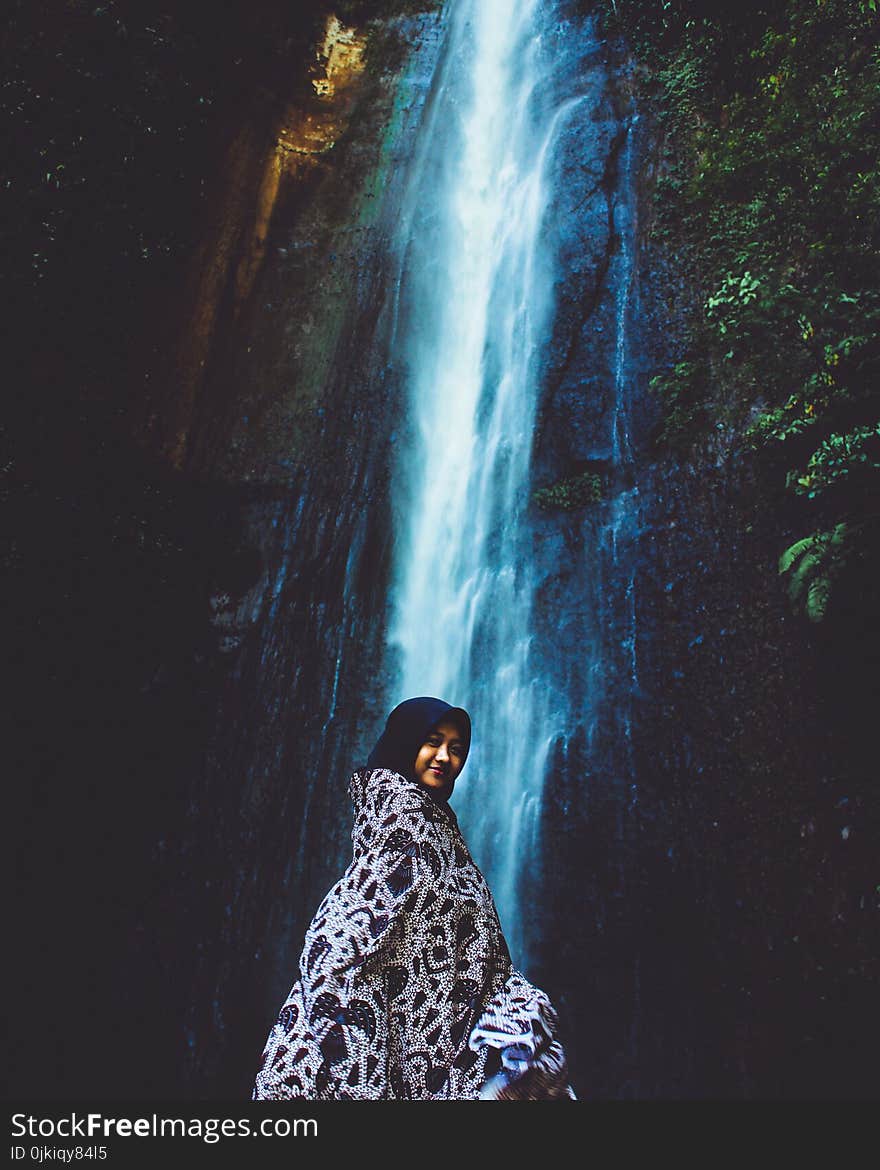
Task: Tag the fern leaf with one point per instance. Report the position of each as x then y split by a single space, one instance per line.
817 598
805 561
795 550
799 577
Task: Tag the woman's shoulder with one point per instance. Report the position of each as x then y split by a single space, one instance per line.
385 797
375 790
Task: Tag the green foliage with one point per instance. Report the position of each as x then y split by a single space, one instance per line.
811 565
768 193
736 293
682 392
837 457
574 492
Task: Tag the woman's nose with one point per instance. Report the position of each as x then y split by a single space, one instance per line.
442 753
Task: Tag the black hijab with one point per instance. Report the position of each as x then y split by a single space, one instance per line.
407 729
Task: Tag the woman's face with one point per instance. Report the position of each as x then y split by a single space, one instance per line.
440 759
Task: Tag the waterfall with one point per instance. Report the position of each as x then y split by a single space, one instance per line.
473 308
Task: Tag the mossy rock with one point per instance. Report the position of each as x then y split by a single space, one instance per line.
577 491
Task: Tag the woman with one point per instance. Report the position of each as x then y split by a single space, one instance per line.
406 989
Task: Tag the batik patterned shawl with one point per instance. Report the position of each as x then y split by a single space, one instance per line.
405 979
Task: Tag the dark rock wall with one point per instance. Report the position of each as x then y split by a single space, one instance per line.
705 925
199 604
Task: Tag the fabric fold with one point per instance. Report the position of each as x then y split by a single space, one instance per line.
521 1023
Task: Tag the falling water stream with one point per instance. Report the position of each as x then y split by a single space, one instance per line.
474 301
625 505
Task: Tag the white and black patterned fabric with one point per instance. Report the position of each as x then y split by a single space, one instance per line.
406 983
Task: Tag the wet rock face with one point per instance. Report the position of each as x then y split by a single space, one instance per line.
722 946
583 234
280 300
699 938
